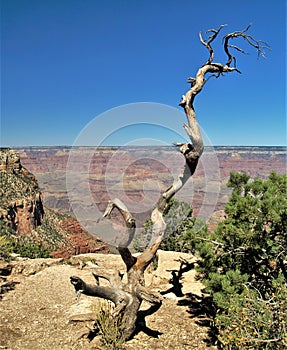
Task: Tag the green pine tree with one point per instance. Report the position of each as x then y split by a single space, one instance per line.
243 264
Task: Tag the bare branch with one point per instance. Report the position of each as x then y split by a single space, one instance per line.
219 244
209 41
191 80
109 293
263 341
259 45
117 203
113 277
158 223
126 255
238 49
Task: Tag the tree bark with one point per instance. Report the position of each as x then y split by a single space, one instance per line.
127 297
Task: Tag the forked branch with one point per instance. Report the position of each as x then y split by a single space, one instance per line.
207 43
128 297
130 222
259 45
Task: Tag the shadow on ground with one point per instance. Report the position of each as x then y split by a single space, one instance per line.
200 308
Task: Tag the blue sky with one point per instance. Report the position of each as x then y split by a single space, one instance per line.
65 62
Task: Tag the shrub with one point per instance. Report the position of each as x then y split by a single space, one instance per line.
23 245
31 250
5 248
109 327
243 264
253 322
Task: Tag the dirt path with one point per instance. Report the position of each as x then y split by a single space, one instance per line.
38 313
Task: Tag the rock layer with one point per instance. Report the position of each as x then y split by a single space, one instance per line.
22 214
136 173
21 205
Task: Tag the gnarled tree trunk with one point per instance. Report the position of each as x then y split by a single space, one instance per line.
127 297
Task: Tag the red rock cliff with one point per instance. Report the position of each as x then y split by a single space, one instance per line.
21 205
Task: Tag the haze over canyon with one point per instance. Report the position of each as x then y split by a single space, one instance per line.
136 175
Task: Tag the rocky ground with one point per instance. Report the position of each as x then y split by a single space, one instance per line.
43 313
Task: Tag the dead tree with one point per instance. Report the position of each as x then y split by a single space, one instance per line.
127 297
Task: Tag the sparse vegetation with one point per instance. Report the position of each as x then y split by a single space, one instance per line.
5 248
109 327
23 245
28 248
19 184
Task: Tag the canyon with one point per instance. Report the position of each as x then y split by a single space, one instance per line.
25 220
81 180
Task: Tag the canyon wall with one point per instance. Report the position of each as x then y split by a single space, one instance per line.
21 202
25 218
138 174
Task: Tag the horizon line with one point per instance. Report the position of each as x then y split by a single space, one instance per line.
133 146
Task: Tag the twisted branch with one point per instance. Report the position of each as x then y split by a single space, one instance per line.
259 45
128 297
209 41
125 253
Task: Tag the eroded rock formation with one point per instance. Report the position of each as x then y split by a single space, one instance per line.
22 212
21 205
